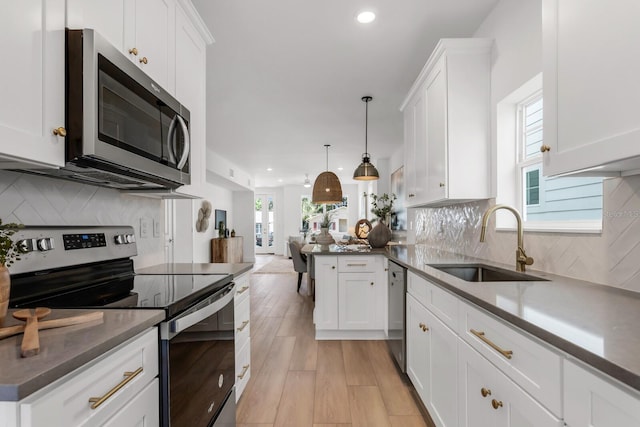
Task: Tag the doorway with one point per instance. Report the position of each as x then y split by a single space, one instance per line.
264 226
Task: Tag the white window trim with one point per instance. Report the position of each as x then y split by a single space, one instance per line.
509 185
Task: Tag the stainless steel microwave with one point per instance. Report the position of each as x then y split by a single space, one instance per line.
123 130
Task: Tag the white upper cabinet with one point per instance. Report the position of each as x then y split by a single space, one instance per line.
32 90
591 86
447 129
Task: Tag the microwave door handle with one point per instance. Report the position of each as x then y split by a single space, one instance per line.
172 130
187 143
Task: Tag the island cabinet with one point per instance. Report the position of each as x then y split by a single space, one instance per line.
119 388
242 308
351 296
32 95
446 125
591 86
593 400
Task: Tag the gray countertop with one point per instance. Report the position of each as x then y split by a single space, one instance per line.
591 322
62 350
197 268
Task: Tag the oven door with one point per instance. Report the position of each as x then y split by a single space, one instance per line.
198 364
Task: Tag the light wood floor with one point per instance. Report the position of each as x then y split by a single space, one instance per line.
300 382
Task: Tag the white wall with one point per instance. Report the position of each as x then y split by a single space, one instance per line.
220 198
243 222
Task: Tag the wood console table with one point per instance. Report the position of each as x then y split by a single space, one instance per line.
226 249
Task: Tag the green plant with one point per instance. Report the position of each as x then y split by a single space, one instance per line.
382 205
9 251
326 219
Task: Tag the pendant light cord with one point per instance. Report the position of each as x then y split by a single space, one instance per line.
366 126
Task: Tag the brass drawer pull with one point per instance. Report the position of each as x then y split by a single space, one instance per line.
485 392
241 290
245 368
60 132
128 376
505 353
244 325
133 51
496 403
356 265
423 327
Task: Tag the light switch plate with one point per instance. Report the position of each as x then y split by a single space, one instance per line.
144 228
156 228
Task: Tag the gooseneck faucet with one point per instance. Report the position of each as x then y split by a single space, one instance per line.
522 259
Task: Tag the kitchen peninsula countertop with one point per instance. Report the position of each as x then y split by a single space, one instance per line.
198 268
62 350
594 323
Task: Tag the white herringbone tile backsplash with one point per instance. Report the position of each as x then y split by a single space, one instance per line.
611 257
34 200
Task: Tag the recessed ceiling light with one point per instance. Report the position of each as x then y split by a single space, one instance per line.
269 169
280 180
340 168
365 17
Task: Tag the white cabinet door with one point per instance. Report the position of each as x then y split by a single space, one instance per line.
592 401
357 300
591 85
325 314
142 411
416 154
149 29
488 398
32 93
418 352
436 106
107 18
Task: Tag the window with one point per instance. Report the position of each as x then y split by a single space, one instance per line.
550 202
311 214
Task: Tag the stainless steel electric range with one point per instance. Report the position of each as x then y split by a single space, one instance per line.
90 267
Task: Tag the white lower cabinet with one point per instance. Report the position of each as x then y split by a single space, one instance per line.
351 297
431 363
242 308
103 391
488 398
591 400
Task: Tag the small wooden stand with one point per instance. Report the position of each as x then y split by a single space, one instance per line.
226 249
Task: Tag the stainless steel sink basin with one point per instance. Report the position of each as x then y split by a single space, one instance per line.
484 273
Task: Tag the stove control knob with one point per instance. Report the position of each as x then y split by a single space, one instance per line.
27 245
45 244
130 238
120 239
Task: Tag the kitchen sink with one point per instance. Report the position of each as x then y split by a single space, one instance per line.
484 273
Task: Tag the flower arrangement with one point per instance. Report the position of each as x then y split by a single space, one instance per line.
326 219
9 251
382 206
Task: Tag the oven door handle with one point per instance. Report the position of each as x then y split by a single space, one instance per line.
201 311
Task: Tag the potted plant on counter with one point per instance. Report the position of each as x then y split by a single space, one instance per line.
324 238
9 253
381 207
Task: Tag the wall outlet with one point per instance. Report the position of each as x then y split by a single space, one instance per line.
144 228
157 227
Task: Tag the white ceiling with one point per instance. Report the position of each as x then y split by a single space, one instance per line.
285 77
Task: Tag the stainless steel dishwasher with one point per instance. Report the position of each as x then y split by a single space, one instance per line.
397 297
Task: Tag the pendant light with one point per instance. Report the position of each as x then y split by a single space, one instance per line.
366 171
327 188
307 183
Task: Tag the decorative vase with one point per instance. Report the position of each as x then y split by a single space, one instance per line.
5 288
324 238
380 235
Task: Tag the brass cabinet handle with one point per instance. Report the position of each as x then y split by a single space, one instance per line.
485 392
423 327
133 51
245 368
60 132
496 403
241 290
544 148
356 265
441 184
505 353
128 376
144 60
244 325
412 195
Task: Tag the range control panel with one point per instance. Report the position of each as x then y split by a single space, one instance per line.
82 241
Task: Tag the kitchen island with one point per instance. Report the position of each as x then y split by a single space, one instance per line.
582 330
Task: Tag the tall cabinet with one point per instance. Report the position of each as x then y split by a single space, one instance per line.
446 123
